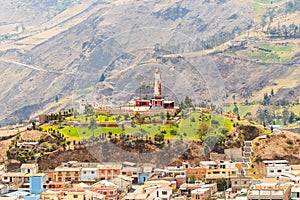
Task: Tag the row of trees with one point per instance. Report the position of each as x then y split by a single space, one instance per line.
291 30
187 103
288 31
22 155
270 116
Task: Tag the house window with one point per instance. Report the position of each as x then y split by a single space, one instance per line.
279 170
105 193
84 172
235 182
164 192
68 179
93 172
271 171
245 182
111 192
75 196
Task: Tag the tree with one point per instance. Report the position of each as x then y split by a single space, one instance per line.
285 115
188 102
203 128
266 100
236 110
168 116
162 116
92 125
272 128
159 137
221 184
192 179
33 125
102 78
291 117
272 92
88 109
260 115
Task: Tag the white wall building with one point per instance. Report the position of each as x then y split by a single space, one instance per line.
89 174
275 168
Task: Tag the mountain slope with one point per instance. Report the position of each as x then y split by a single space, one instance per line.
67 53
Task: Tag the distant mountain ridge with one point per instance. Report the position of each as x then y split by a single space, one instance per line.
104 37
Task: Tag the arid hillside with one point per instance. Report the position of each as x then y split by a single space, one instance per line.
49 63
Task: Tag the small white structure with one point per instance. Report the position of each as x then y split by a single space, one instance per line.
89 174
82 103
29 168
275 168
159 192
209 164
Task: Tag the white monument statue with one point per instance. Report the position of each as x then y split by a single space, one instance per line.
157 84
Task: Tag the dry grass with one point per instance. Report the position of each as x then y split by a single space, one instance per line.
31 135
285 146
4 144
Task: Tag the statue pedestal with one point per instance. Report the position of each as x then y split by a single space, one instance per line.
157 103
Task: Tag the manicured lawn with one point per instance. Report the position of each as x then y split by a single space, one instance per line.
186 126
100 118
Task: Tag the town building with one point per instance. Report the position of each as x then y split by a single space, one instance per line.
159 192
109 171
295 192
201 193
13 178
269 188
89 174
29 168
68 172
106 188
136 196
275 168
239 183
131 170
197 173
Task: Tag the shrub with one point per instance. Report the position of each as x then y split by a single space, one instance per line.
289 141
173 132
214 122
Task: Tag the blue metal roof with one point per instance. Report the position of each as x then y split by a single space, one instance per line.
17 193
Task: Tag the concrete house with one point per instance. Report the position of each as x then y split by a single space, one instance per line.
29 168
275 168
269 188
